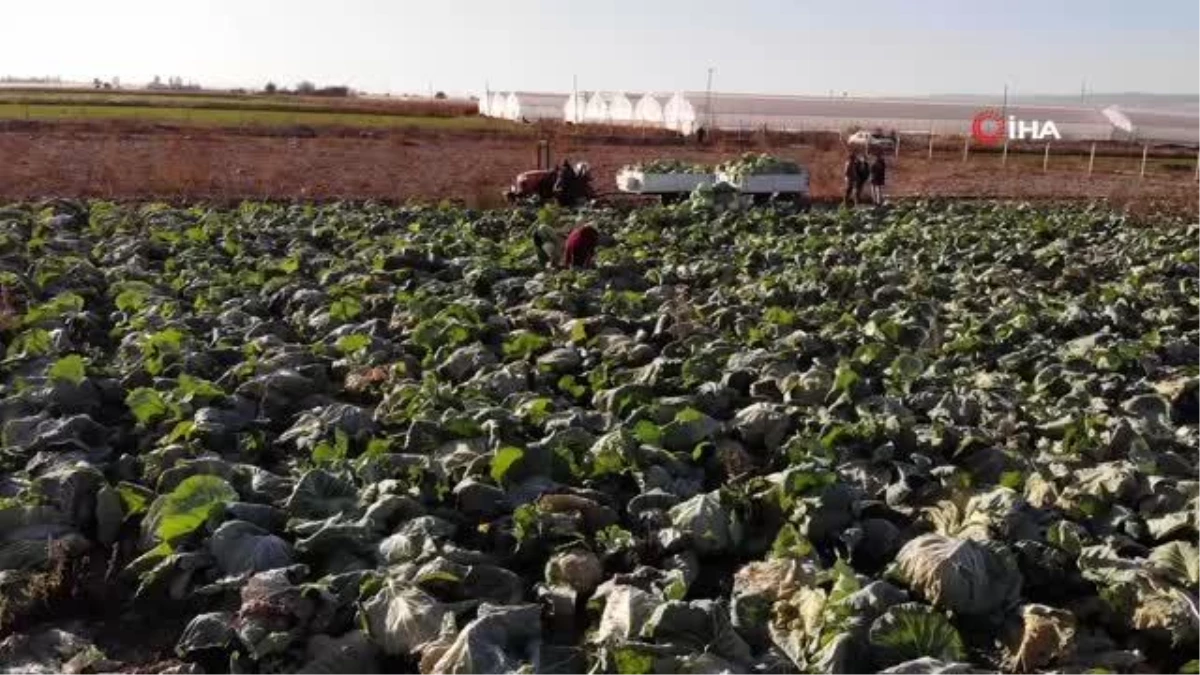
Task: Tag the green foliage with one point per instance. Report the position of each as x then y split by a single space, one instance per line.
134 498
345 308
71 368
523 344
503 462
790 544
158 347
537 410
633 661
569 386
985 369
779 317
147 405
187 507
30 343
614 539
353 343
330 453
132 296
648 432
190 389
56 308
911 630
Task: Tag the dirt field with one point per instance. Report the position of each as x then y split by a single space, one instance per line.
140 161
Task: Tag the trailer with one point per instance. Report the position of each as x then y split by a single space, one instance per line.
766 186
667 186
673 187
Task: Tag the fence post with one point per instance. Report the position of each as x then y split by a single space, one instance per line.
966 147
1092 158
1046 158
1004 154
1145 150
930 145
897 146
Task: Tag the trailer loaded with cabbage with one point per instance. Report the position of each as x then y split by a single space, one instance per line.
759 178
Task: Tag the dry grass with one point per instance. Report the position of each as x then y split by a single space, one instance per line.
405 107
239 117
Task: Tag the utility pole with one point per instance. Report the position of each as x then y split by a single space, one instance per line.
708 96
575 90
1004 110
1082 91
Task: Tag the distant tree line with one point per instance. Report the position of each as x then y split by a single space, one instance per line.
306 88
173 83
17 79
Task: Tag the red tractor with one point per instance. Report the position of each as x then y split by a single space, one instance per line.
568 185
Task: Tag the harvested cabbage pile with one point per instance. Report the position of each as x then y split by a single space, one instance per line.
672 166
355 438
751 164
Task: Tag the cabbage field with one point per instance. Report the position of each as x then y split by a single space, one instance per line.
361 438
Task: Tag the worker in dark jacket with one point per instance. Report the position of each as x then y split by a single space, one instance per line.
878 178
863 176
580 249
851 172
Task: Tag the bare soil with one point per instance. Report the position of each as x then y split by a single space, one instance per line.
140 161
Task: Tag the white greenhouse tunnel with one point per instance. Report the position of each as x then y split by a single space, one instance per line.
649 109
574 108
499 103
530 106
596 110
621 108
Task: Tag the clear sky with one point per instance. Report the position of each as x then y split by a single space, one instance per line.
865 47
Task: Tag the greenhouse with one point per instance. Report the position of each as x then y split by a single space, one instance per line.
527 105
649 109
687 111
609 107
573 109
498 104
1167 127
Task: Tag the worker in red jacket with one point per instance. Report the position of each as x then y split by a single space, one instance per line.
580 249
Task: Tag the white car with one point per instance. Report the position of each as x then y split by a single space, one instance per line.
869 140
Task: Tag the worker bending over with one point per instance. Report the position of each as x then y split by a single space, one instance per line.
580 249
548 244
577 249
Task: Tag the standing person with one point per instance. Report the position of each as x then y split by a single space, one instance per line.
580 249
851 172
566 173
862 175
878 178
